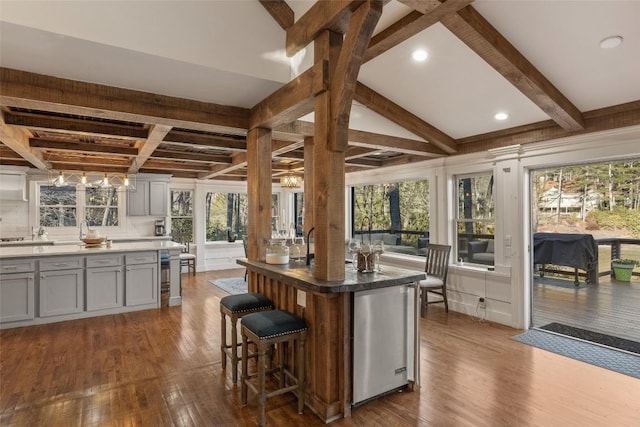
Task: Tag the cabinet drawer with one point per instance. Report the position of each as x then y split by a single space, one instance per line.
141 258
17 266
60 263
104 261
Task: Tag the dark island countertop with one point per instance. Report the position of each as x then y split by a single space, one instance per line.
301 276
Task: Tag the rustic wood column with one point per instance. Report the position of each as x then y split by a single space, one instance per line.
328 173
308 184
259 192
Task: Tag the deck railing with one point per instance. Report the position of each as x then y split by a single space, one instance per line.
617 251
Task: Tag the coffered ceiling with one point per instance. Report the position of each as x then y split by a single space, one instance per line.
167 86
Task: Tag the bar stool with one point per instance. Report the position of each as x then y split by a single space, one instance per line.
236 306
265 329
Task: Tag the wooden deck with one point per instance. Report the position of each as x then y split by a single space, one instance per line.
611 307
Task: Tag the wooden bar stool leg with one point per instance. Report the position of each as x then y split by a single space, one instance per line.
245 376
223 339
301 379
234 347
281 357
262 368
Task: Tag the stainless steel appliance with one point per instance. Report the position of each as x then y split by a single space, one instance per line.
161 227
383 341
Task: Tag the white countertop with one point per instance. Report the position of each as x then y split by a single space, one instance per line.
80 249
69 241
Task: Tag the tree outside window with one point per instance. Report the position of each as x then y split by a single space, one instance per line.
58 206
396 212
475 222
182 215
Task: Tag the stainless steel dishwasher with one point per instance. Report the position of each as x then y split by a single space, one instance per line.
383 341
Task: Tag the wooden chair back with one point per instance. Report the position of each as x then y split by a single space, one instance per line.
437 261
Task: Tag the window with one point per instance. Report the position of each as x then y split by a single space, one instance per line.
182 215
228 213
225 213
101 207
396 213
59 206
475 223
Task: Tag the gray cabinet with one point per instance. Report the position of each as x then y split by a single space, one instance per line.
141 279
16 297
104 282
61 292
149 198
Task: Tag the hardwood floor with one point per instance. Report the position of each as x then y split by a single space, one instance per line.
611 307
162 368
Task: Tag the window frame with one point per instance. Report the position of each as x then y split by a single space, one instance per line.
461 252
192 216
81 205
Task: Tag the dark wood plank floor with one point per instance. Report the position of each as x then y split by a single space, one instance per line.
611 307
162 368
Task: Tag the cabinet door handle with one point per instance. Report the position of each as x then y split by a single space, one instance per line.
42 276
9 267
61 264
128 269
118 271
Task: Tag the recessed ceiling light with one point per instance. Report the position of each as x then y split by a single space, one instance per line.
501 116
611 42
420 55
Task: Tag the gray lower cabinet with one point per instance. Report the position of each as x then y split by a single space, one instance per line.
105 282
61 292
141 278
17 297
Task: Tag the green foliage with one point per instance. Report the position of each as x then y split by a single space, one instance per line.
619 218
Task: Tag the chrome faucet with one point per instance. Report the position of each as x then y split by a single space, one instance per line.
84 221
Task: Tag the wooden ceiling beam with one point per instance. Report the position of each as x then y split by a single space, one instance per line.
8 153
602 119
280 11
89 168
35 121
88 160
216 141
18 141
177 165
196 157
292 101
357 152
82 147
395 113
146 148
429 13
323 15
238 161
477 33
358 138
46 93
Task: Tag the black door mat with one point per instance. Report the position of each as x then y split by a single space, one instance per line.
596 337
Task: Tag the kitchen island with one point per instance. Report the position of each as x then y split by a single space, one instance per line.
343 319
51 283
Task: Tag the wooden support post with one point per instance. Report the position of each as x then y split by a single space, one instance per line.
259 192
308 184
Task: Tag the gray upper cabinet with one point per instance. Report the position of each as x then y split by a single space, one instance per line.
149 198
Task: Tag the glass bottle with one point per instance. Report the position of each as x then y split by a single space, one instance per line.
277 252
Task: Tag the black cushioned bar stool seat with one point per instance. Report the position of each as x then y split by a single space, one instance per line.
236 306
266 329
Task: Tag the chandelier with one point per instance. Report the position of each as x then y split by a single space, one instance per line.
290 181
119 181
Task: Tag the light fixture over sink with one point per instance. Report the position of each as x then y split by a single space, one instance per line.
119 181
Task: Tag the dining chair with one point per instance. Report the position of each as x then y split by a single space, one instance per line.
187 259
436 267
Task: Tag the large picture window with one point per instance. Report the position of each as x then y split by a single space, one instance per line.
396 213
182 215
60 206
225 213
475 222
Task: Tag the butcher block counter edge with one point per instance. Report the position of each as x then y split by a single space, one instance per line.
302 276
